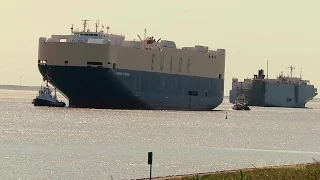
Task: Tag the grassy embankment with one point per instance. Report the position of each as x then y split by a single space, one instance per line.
287 172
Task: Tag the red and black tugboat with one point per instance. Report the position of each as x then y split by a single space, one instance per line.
45 98
241 103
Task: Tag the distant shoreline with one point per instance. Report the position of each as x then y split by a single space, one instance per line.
36 88
18 87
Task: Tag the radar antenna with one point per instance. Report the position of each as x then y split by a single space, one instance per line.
85 25
102 27
72 29
108 29
291 69
97 25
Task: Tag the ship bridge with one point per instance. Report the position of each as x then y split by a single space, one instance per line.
88 36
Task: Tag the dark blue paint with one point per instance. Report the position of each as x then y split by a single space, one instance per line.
92 87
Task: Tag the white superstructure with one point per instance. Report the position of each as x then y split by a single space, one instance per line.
101 37
114 50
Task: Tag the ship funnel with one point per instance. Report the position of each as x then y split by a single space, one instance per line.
260 74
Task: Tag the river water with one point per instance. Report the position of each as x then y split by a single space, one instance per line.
71 143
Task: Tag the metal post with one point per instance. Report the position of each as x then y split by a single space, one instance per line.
150 170
150 162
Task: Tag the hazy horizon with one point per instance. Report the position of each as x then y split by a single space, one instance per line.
252 32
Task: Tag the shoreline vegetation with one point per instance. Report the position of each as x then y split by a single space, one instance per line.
290 172
18 87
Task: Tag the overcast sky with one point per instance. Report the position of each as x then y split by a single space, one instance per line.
285 32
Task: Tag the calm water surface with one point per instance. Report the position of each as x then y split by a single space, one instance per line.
70 143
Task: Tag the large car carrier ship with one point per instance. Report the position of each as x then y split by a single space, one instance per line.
283 91
97 69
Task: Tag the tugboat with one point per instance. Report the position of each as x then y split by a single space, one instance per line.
241 103
46 99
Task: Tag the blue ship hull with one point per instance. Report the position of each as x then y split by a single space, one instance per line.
97 87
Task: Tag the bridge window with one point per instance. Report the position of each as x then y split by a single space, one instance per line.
94 64
42 61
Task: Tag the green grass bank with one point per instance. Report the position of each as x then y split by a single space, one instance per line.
308 171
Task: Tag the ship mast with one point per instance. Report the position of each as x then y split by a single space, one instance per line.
267 69
291 69
85 25
145 34
97 25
